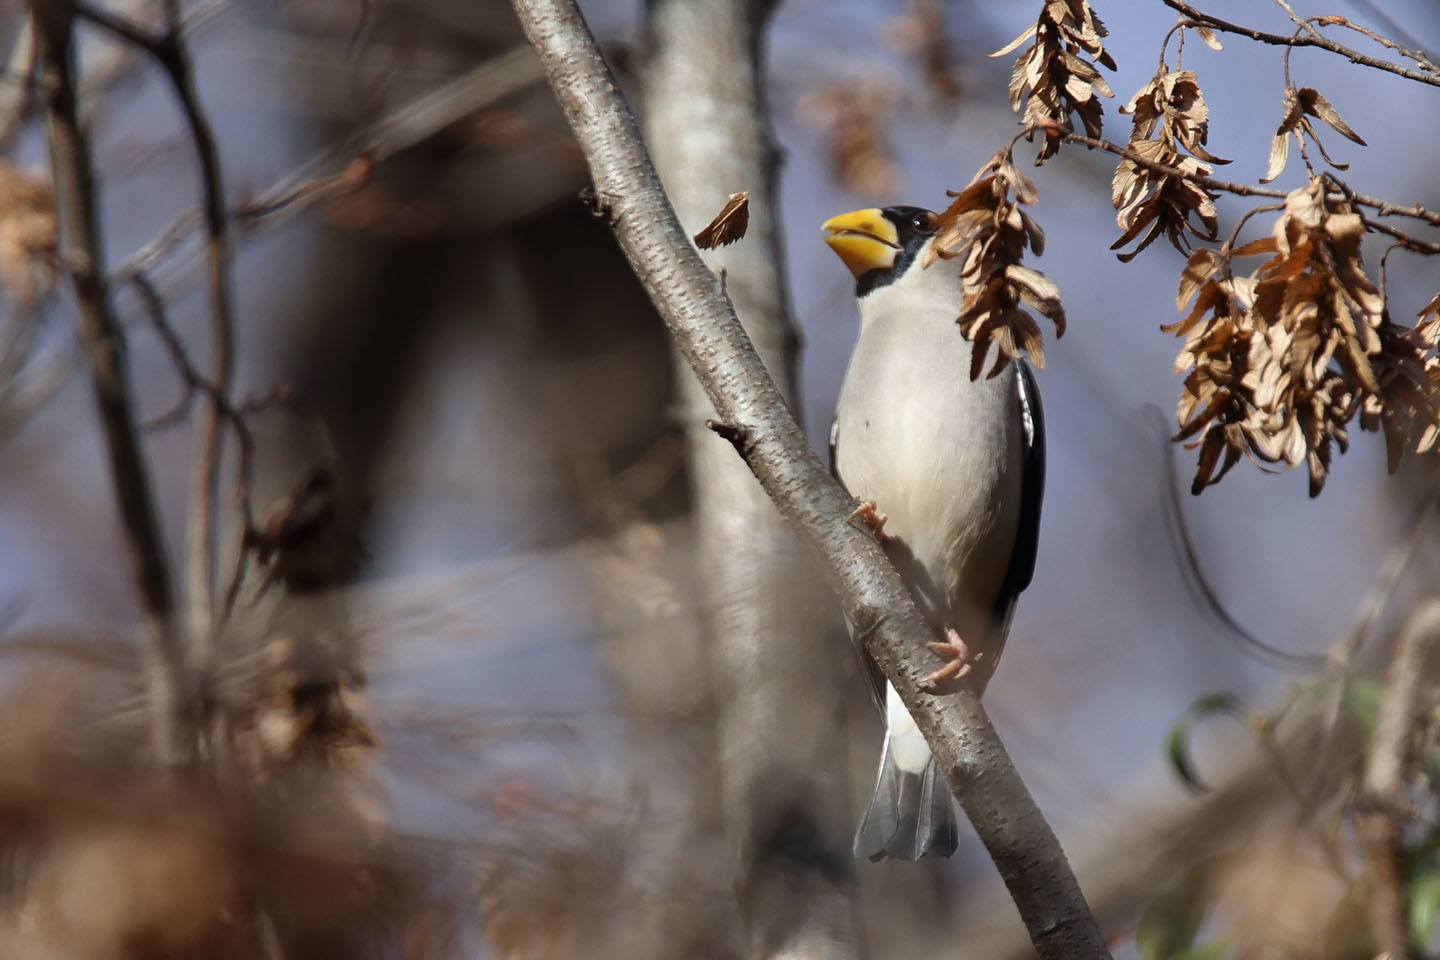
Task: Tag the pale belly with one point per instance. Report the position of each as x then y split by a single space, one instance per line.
941 457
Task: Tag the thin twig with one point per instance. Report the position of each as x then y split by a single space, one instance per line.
1403 239
1418 56
1382 808
81 253
171 53
410 123
1414 52
1179 528
708 334
1383 207
195 383
15 97
1300 22
1316 40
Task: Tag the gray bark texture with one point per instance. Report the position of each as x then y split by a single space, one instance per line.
103 342
775 678
754 415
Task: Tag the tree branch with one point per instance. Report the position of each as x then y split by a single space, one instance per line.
771 667
15 93
170 52
1314 39
1382 809
103 343
1382 207
877 603
410 123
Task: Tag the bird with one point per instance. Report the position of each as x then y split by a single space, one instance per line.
950 472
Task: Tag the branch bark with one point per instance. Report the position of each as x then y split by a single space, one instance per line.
1313 39
783 797
15 93
103 344
706 331
200 558
1382 805
1383 207
168 49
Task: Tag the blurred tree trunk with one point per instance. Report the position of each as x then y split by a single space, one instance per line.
775 677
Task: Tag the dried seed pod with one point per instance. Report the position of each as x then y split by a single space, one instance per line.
986 226
1051 80
729 224
1169 114
1281 360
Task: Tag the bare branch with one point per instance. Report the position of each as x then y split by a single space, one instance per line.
1383 207
103 342
876 601
1414 52
410 123
1382 809
1179 529
170 52
1312 39
15 95
195 383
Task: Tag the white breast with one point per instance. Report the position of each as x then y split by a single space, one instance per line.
939 454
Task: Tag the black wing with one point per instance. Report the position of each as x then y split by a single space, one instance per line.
1032 493
834 439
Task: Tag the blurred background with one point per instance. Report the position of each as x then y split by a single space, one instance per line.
518 743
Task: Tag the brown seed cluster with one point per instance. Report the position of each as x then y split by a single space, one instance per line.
1169 114
1409 373
29 236
1058 79
986 226
1281 360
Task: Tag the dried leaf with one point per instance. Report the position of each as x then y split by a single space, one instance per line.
1209 37
1061 83
1014 45
1433 307
1281 360
1279 156
729 224
1170 108
1314 103
985 226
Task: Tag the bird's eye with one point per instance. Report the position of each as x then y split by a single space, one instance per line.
923 223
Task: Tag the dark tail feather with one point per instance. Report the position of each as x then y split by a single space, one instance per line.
910 815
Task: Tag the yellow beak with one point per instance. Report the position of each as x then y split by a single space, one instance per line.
864 239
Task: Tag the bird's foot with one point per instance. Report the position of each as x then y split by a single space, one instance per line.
873 518
957 655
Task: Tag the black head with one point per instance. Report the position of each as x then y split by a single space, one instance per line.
879 245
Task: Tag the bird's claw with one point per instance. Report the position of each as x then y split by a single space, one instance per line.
957 655
873 518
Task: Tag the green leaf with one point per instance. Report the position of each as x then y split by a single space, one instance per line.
1361 703
1167 928
1177 743
1213 950
1424 902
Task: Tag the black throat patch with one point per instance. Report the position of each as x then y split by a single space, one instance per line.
913 226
